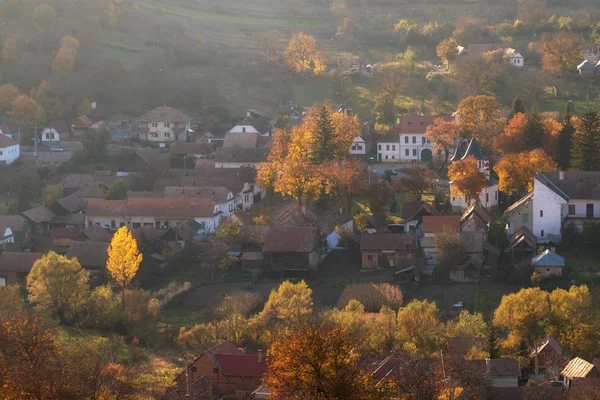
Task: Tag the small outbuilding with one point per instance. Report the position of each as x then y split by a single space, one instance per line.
548 264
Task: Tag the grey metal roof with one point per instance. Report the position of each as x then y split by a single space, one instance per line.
548 259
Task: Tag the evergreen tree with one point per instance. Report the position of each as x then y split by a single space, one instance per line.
323 137
491 342
534 130
518 106
565 138
585 152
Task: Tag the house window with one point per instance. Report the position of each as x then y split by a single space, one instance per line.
47 135
453 198
406 152
121 224
571 209
423 140
406 139
541 213
393 157
487 197
113 224
370 257
547 269
379 147
243 129
589 210
525 218
415 152
136 225
155 124
3 281
542 233
167 134
386 157
414 139
387 146
353 147
157 224
167 124
358 147
393 147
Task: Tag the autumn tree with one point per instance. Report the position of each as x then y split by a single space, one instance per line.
58 284
25 108
585 151
124 257
516 172
117 190
50 194
12 301
43 16
416 180
419 380
9 52
270 45
444 135
65 57
8 94
450 249
302 55
343 180
447 50
517 106
467 180
379 194
390 79
318 363
480 116
550 138
466 325
513 138
560 52
419 327
565 138
480 74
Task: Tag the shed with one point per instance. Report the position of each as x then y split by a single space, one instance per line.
548 264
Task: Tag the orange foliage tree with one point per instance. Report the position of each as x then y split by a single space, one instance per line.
552 129
65 57
343 179
447 50
467 180
27 109
480 116
318 363
513 138
517 171
443 134
302 55
560 52
8 94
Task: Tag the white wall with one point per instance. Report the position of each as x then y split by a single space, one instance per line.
50 135
488 198
9 154
414 149
358 146
235 164
106 222
244 129
388 152
227 208
517 61
210 224
7 236
516 220
554 208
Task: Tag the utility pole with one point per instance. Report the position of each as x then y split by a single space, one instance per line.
35 140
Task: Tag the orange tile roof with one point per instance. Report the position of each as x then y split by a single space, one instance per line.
441 223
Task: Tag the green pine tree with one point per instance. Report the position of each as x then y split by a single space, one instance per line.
585 152
491 342
565 138
534 130
324 135
518 106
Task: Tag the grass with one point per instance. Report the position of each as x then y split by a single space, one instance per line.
584 269
177 317
580 106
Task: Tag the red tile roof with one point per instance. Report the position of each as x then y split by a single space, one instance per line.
418 123
170 208
106 208
291 239
439 223
241 364
388 241
5 141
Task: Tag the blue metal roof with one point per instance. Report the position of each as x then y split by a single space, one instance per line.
548 259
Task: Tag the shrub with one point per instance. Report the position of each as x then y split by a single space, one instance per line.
103 308
372 296
242 303
173 289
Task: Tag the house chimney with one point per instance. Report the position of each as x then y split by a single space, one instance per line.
260 356
561 175
488 363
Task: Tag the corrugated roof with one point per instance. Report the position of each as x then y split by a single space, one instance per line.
579 368
548 259
498 367
90 254
583 185
71 203
170 208
15 222
411 208
218 194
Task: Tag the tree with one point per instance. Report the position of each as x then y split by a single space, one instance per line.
322 146
466 325
8 94
65 57
103 308
12 302
269 45
343 179
560 52
450 249
523 314
549 142
117 190
58 284
518 106
318 363
43 16
479 74
124 257
25 108
447 50
516 172
491 341
50 194
534 130
419 380
390 79
302 55
565 138
513 139
95 145
9 51
341 86
467 180
417 180
419 326
443 134
476 110
585 152
380 194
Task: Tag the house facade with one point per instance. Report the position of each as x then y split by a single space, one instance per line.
15 266
432 226
291 249
414 146
388 250
9 150
235 157
255 122
489 194
359 147
164 124
519 214
563 198
388 147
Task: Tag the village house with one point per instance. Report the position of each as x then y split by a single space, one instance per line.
291 250
474 228
519 214
164 124
548 357
255 122
578 368
161 212
548 264
227 368
388 250
196 149
54 131
563 198
39 218
414 146
412 213
15 266
388 147
489 194
513 57
236 157
92 256
498 372
9 150
80 126
62 238
587 69
432 226
18 226
334 225
6 234
359 146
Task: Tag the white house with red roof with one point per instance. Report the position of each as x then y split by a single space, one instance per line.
9 150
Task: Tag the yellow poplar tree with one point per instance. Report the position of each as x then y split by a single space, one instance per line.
124 257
